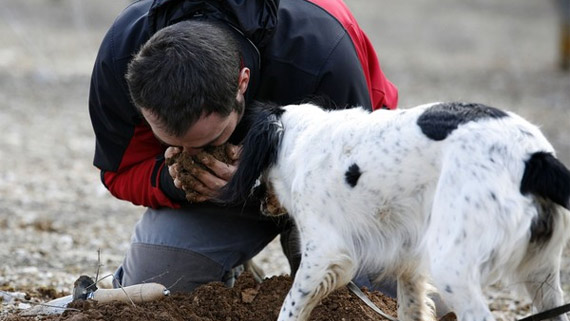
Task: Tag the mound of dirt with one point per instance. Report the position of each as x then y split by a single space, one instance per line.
247 300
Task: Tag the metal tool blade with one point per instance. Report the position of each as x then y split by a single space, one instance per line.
356 290
56 306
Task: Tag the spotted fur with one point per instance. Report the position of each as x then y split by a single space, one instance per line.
452 195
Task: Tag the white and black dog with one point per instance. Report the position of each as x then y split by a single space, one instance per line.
447 195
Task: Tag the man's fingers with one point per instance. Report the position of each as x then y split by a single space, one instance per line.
195 184
211 181
171 152
196 191
233 151
220 169
178 183
173 170
202 176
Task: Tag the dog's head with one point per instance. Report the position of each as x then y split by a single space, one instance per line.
259 151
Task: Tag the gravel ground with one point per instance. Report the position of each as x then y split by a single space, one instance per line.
54 213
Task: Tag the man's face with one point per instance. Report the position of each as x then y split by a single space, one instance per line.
210 130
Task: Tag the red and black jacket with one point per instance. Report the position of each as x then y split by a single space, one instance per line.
295 49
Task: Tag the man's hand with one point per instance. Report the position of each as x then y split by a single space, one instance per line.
202 176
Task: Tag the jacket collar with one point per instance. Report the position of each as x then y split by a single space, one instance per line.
256 19
253 23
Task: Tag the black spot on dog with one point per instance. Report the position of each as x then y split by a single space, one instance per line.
438 121
548 180
352 175
448 289
547 177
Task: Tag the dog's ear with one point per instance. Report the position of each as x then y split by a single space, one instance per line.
259 151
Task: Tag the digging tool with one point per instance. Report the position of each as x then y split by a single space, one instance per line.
356 290
85 288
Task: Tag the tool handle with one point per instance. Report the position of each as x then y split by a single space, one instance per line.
138 293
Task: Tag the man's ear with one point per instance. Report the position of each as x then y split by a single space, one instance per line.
243 81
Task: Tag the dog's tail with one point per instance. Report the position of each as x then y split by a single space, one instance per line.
259 151
546 177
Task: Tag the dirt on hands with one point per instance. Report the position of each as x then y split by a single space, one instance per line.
190 163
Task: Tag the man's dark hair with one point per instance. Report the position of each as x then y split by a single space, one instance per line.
186 70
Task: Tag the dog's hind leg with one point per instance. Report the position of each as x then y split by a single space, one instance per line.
466 299
323 269
543 285
545 292
414 303
456 240
458 279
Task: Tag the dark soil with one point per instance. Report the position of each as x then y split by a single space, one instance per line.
247 300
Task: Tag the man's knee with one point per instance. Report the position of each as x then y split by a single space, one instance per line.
179 270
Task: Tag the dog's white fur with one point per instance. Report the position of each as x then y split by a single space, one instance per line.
447 213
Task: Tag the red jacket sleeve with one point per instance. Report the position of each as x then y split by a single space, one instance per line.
127 153
138 177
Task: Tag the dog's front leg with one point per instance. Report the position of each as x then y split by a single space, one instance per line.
323 269
414 303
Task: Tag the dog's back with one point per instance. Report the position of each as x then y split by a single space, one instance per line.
463 194
499 213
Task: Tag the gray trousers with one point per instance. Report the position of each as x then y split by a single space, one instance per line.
184 248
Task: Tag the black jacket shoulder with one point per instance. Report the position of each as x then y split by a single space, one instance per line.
311 54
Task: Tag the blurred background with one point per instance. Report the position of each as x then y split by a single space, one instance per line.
54 213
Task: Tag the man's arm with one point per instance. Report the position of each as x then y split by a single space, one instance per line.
142 177
127 153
